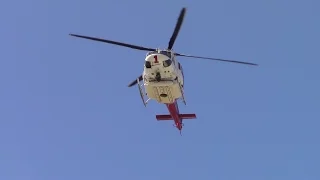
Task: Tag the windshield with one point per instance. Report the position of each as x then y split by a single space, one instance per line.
151 52
161 52
166 53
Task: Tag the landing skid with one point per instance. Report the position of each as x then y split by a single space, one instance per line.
142 94
182 93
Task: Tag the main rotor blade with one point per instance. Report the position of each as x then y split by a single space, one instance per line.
177 28
241 62
114 42
135 81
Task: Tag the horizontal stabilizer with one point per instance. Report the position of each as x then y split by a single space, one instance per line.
188 116
168 117
163 117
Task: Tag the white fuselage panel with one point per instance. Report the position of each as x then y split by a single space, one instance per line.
157 66
163 79
163 92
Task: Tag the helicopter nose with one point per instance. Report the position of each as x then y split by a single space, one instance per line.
156 59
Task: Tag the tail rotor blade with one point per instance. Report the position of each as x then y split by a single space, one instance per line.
114 42
224 60
177 28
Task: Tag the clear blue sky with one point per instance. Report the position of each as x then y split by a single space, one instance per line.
67 113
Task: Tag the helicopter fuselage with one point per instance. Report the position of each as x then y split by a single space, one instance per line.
163 77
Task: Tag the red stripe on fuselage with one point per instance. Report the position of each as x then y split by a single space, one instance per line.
174 112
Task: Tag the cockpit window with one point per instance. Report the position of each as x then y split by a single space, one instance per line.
161 52
147 64
167 63
166 53
151 52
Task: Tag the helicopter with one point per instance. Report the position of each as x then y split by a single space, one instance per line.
162 79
